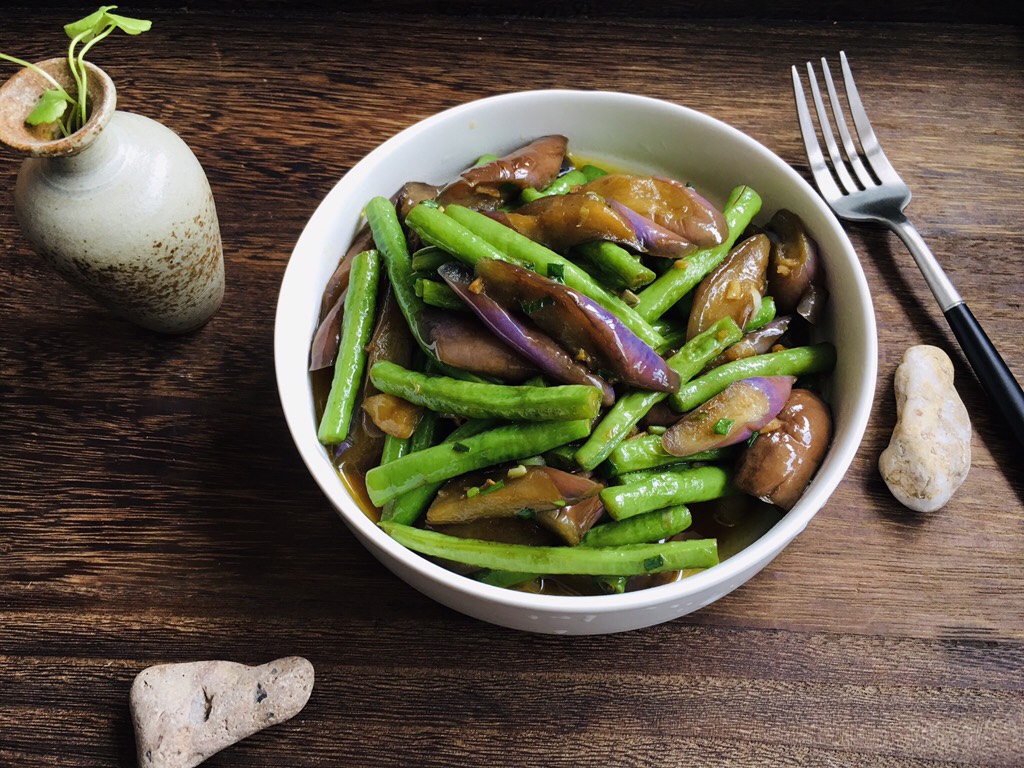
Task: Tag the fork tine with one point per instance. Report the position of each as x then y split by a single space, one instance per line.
838 164
819 168
851 149
865 133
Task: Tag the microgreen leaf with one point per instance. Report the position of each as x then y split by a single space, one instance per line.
87 31
51 107
129 25
84 28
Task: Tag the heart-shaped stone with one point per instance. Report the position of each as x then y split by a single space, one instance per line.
183 713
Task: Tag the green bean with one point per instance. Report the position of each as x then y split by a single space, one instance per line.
394 448
559 186
388 235
675 334
563 456
626 560
443 394
646 452
444 232
429 258
742 206
524 250
665 489
424 436
650 526
614 260
356 328
633 406
764 315
437 294
410 506
447 460
798 361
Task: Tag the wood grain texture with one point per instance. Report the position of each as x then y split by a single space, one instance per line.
153 509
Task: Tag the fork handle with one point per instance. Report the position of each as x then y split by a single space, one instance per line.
990 368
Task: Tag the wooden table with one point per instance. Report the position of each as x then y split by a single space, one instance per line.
153 508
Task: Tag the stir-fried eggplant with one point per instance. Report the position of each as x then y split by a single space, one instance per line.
584 328
461 341
734 289
563 221
487 187
779 464
538 488
756 342
793 273
522 336
666 202
729 417
392 415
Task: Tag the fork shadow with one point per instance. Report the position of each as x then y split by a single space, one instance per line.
901 279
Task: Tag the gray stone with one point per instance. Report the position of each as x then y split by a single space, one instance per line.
929 454
183 713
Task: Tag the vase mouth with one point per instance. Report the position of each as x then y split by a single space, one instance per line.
20 94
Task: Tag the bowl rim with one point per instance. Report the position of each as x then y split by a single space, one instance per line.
754 556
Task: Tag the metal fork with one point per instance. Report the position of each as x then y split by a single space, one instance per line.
860 185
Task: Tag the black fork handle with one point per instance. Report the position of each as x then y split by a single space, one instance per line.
989 366
993 373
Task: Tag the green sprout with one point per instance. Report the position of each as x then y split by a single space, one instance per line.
57 105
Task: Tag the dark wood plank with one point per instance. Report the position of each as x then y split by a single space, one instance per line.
152 507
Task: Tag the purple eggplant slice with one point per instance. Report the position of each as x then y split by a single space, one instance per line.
471 497
733 289
587 331
521 336
729 417
780 463
651 237
327 338
794 272
571 523
666 202
392 415
756 342
562 221
459 340
486 187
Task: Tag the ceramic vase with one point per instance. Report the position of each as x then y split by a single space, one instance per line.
121 208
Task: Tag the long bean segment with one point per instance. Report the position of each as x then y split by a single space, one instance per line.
410 506
356 327
447 460
390 239
684 486
614 260
742 206
646 452
559 186
434 227
633 406
627 560
798 361
522 249
565 402
640 529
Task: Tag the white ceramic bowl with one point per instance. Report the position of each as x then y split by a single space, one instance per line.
630 132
